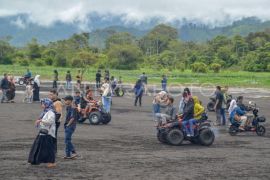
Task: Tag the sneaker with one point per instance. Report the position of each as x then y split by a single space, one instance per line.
69 157
188 135
241 128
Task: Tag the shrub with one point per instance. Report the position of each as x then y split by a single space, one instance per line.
24 62
199 67
60 61
39 62
215 67
268 67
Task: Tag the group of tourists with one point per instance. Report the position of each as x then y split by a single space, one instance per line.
44 148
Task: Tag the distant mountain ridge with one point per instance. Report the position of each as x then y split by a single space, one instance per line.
22 31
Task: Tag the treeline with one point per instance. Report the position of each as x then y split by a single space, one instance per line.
159 49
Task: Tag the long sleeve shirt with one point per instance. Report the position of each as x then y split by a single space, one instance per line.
48 122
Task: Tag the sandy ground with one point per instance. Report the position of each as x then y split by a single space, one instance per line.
127 148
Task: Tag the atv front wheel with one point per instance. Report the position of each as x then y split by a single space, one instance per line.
175 137
206 137
95 118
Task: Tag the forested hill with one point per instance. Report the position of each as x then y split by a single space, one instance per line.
22 31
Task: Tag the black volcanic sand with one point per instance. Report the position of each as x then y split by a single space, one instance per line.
127 148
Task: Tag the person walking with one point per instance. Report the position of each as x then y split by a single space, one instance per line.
43 150
138 90
218 105
55 79
106 91
36 89
68 80
4 87
70 126
58 106
98 78
144 80
164 83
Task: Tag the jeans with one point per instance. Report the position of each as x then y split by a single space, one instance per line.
68 84
4 96
223 115
139 97
164 87
156 109
106 101
186 129
69 146
191 123
54 84
218 115
97 83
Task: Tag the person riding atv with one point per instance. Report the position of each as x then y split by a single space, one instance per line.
92 109
169 115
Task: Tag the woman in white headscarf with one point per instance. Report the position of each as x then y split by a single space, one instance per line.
36 88
233 105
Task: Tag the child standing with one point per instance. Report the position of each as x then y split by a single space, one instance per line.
28 93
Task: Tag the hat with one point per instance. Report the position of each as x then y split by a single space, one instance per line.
68 98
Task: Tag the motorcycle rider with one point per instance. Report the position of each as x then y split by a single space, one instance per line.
238 116
28 74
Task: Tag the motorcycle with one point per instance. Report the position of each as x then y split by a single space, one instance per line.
255 122
95 114
211 104
174 133
24 80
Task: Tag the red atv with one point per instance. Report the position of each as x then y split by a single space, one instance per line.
95 113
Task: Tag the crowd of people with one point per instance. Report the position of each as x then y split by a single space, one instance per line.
191 110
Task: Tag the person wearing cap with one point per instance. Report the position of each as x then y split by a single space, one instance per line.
70 126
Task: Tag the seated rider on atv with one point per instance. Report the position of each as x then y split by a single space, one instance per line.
188 112
89 100
169 115
198 111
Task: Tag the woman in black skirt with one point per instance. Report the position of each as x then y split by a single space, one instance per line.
36 89
43 149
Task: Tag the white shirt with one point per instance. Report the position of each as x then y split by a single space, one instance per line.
48 122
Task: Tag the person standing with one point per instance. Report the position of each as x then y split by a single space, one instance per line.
12 89
106 95
4 87
218 105
68 80
138 90
98 78
36 89
58 106
55 79
224 104
42 150
144 80
164 83
70 126
79 79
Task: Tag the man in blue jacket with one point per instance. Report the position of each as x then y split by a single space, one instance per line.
4 87
238 116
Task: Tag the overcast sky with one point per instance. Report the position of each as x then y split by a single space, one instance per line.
46 12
